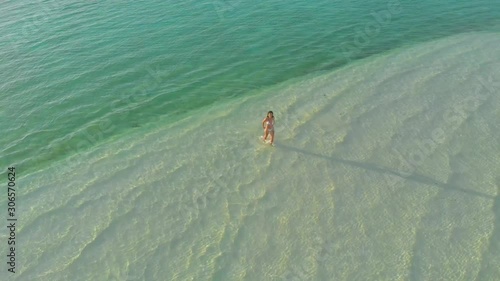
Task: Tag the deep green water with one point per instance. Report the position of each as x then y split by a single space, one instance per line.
77 74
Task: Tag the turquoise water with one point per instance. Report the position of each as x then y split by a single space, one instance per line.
134 131
68 66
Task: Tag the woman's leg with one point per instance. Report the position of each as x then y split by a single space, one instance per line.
272 136
266 132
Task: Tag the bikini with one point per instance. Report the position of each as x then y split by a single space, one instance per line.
270 123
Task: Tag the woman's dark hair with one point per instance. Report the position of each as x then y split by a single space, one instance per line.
271 113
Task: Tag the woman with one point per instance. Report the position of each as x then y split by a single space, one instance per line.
268 126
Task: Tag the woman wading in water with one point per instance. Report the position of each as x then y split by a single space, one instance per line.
268 126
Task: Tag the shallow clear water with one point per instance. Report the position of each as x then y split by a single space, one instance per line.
134 128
